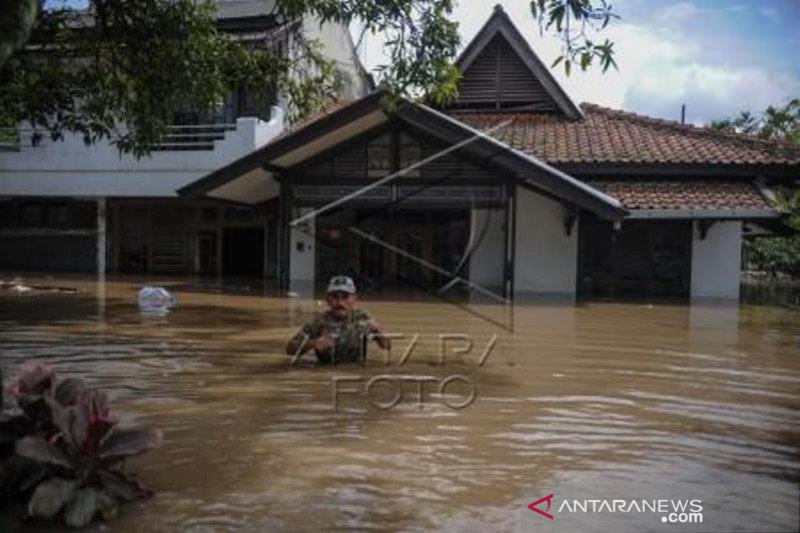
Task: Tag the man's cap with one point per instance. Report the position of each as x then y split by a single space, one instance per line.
342 284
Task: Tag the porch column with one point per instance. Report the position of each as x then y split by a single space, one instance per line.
101 237
302 254
716 259
101 258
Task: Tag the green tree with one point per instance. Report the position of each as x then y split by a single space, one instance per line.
571 19
780 123
119 70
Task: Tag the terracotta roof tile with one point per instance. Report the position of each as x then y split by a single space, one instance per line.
610 136
683 194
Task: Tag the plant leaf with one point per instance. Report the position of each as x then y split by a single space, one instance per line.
107 505
41 451
81 508
121 487
69 390
121 443
50 496
59 414
32 474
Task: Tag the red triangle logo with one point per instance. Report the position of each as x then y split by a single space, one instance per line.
548 499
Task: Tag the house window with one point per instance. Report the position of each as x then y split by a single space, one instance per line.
410 153
379 156
58 216
31 215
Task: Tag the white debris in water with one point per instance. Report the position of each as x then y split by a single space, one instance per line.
292 294
15 285
156 300
19 287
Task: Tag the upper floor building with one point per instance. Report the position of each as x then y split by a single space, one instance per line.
198 141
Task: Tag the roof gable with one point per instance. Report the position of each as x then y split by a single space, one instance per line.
500 71
343 124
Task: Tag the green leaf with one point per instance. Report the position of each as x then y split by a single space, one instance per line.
50 496
107 505
121 487
81 508
69 390
121 443
41 451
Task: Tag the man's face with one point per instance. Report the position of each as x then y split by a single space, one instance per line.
340 303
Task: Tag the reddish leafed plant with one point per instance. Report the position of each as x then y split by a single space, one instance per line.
70 440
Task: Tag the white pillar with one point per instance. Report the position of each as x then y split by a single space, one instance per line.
101 257
302 255
716 260
101 236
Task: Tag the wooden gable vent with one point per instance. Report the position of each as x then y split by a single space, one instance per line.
499 79
501 72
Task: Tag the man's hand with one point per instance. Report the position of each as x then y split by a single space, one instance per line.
376 334
322 344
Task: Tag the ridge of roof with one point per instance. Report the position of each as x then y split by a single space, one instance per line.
688 128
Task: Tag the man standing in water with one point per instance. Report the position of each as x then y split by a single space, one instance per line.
340 334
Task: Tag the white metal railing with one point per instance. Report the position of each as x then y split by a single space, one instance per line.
193 136
177 137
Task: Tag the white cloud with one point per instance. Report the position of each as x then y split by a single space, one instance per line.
676 14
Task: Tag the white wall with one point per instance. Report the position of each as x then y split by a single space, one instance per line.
339 47
302 252
716 260
546 257
70 168
486 262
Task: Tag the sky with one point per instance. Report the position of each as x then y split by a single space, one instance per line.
716 56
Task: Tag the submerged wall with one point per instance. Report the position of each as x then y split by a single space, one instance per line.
716 260
546 257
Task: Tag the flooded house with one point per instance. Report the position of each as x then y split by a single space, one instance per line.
66 206
511 190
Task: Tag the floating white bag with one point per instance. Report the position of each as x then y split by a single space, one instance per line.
155 298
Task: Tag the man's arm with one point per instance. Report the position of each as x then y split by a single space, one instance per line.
376 334
299 344
305 341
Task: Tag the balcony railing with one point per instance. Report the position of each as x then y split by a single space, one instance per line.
177 138
192 137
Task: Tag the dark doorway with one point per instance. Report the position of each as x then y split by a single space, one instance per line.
243 252
643 259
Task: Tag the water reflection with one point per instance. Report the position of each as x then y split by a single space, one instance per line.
658 392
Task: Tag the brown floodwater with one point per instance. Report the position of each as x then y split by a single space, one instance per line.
659 393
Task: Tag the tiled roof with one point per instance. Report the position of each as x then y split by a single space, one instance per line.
610 136
326 109
244 8
674 194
